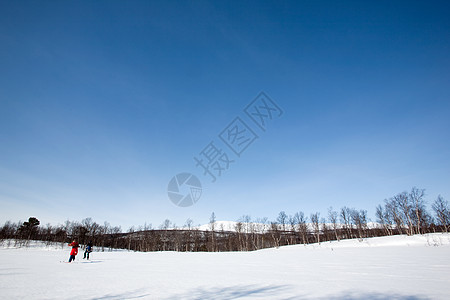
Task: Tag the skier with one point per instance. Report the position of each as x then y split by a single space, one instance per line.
88 250
74 251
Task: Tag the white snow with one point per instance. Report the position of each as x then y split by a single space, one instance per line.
398 267
264 227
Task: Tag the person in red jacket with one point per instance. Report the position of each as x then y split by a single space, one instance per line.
74 251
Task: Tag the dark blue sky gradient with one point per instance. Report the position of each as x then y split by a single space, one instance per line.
101 103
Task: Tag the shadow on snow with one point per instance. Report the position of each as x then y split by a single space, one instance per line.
277 292
138 294
233 292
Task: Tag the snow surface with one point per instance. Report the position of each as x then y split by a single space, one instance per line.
398 267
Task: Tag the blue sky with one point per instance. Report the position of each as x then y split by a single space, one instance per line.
102 103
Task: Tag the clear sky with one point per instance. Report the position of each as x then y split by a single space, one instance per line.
103 102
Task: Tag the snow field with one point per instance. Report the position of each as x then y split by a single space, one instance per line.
398 267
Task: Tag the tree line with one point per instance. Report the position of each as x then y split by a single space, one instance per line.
404 213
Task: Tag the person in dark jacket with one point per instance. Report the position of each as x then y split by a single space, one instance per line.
88 250
74 250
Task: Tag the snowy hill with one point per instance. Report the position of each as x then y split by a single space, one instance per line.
396 267
259 227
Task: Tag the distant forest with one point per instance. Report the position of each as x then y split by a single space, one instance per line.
404 213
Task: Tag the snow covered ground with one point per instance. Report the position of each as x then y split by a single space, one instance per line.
398 267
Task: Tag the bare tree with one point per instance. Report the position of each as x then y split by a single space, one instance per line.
188 234
9 230
165 238
246 220
442 210
47 233
364 220
394 214
293 227
301 225
238 228
212 221
260 229
383 219
359 219
325 229
282 217
130 238
189 223
114 236
346 221
275 234
212 226
332 218
91 227
418 205
315 223
402 202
